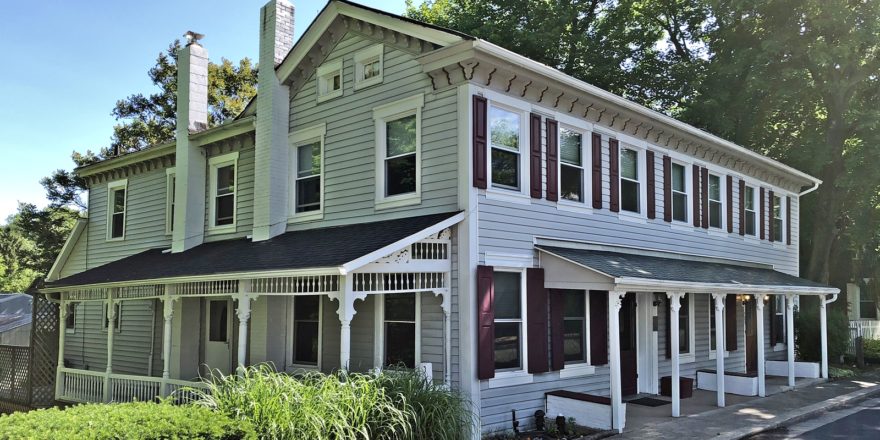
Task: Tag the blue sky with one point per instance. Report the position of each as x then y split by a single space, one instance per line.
68 62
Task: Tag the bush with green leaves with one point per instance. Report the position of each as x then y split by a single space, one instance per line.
872 348
140 420
808 331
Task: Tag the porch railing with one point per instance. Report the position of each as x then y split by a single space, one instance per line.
89 386
865 328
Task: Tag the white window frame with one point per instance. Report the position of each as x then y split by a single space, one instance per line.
722 191
522 109
170 183
642 179
291 365
713 353
688 192
371 53
381 116
112 187
323 75
379 330
585 167
577 369
105 323
520 376
72 307
782 212
214 164
756 211
315 133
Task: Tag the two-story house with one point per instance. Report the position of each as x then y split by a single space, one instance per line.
403 193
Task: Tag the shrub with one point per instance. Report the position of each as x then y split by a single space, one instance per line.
141 420
807 344
872 348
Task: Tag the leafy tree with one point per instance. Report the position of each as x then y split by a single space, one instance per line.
30 242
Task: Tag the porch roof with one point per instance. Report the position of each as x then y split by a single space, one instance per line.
677 273
337 249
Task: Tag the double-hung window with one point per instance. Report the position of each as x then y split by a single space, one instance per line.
777 218
630 187
715 204
223 191
400 329
308 177
575 327
170 187
117 202
504 136
398 155
778 319
571 165
306 330
508 344
679 192
750 211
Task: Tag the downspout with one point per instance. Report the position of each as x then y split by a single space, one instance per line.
809 190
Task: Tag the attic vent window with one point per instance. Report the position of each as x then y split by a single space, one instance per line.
330 80
368 66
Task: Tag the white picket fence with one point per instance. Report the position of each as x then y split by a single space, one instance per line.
866 328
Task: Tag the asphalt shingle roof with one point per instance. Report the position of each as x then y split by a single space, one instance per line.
313 248
617 264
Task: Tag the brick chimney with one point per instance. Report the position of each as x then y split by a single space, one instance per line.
271 192
192 117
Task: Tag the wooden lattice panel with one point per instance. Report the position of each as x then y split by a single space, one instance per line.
44 343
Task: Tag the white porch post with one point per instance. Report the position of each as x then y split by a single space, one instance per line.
674 307
111 331
346 313
244 315
789 334
759 321
615 301
719 346
167 314
62 332
823 321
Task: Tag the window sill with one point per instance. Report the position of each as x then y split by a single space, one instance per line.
116 239
632 217
217 230
398 201
565 205
508 196
306 217
576 370
329 96
374 81
510 378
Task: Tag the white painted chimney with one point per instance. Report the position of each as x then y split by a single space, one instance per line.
271 187
192 117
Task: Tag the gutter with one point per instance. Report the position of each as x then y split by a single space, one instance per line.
810 189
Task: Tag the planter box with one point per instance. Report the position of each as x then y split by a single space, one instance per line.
801 369
685 386
587 410
734 383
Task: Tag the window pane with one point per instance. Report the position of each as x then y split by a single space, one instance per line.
629 164
306 307
225 180
504 128
336 81
684 340
118 200
714 187
572 183
678 178
777 207
750 198
219 321
70 321
750 223
715 214
570 147
400 175
400 343
679 207
225 209
371 68
401 136
305 339
505 168
400 307
777 229
308 160
574 304
308 194
118 228
629 195
507 295
507 345
574 340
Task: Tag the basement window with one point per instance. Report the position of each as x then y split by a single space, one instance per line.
330 80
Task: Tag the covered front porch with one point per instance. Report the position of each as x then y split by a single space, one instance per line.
387 303
658 301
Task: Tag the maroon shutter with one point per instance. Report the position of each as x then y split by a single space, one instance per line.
649 163
729 204
598 327
597 170
557 330
770 226
535 157
486 322
667 188
763 209
696 178
704 190
536 301
772 312
668 328
614 174
742 207
552 160
730 322
788 220
480 145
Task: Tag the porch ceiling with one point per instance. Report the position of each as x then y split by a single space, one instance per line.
678 274
336 249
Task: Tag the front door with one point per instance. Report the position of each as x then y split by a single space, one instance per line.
628 346
218 335
751 336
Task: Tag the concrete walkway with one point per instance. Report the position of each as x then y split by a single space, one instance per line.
741 419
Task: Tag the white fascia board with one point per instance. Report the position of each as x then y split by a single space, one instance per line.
67 249
644 284
400 244
224 131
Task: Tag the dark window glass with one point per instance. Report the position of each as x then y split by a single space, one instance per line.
750 223
400 329
711 323
571 165
679 193
305 329
505 168
400 307
218 329
117 227
684 321
575 326
779 319
400 162
507 345
629 195
507 295
308 177
572 179
70 320
715 201
504 129
400 173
